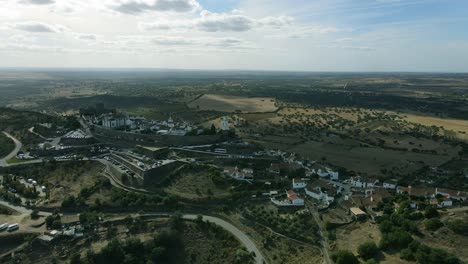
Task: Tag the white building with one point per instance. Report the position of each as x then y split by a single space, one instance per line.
299 183
224 124
446 203
294 198
390 184
360 182
114 122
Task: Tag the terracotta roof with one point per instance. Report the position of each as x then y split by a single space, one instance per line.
314 191
291 192
293 197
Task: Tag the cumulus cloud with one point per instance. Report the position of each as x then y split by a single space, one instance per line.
37 27
135 7
212 22
37 2
220 22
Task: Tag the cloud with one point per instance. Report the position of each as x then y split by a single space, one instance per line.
37 2
86 37
37 27
136 7
220 22
172 41
213 22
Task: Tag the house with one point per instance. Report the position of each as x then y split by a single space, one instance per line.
234 172
294 198
456 195
403 189
322 190
446 202
333 175
357 182
370 182
390 184
416 191
299 183
279 168
361 182
357 213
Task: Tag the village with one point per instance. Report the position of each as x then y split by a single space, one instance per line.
137 155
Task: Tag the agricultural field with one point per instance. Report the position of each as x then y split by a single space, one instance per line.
231 104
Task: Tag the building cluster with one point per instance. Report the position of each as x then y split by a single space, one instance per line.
245 174
321 190
139 124
370 192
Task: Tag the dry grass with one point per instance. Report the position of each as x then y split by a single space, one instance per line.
281 250
223 103
195 186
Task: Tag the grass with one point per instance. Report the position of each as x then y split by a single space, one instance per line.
274 248
6 145
197 185
231 104
15 160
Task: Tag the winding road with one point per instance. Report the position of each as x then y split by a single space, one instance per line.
18 146
241 236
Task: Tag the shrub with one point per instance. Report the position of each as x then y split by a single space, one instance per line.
368 249
344 257
433 224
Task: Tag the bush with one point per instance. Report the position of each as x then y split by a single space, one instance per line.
406 254
367 250
458 226
35 214
430 212
344 257
396 240
433 224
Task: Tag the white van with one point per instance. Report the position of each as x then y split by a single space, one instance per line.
3 226
12 227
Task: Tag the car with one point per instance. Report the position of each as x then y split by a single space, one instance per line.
34 183
30 180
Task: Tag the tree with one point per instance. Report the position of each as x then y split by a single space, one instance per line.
35 214
75 258
368 250
344 257
213 129
430 212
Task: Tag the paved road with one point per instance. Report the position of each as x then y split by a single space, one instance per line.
243 238
18 146
22 210
326 254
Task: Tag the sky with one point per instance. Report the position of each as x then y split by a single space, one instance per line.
284 35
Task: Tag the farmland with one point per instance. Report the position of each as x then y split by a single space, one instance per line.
223 103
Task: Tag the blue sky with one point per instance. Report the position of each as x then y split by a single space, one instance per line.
303 35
